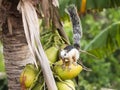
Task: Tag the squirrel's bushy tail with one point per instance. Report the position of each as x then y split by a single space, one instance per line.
76 23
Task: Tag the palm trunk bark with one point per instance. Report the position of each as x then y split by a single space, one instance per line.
16 52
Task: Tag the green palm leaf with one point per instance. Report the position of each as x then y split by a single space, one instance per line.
106 42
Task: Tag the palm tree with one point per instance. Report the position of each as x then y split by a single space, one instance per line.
16 51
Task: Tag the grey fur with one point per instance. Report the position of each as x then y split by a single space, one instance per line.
76 23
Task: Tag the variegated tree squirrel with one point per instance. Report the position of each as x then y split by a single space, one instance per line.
70 54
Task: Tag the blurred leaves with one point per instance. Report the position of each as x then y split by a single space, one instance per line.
106 42
100 4
91 5
3 84
103 30
2 68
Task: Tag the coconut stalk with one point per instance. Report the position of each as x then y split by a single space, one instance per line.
31 29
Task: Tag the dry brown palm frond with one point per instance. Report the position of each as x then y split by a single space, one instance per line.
50 11
55 3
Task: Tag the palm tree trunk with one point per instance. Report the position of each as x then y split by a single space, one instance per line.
16 52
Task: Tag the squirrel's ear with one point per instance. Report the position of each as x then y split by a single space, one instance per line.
61 49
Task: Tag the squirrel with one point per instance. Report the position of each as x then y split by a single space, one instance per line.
70 54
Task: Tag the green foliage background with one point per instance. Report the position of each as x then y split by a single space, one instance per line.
3 80
2 69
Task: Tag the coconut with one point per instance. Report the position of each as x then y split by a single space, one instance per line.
65 73
52 54
28 75
66 85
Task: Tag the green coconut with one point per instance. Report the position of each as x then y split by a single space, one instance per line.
65 74
52 54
